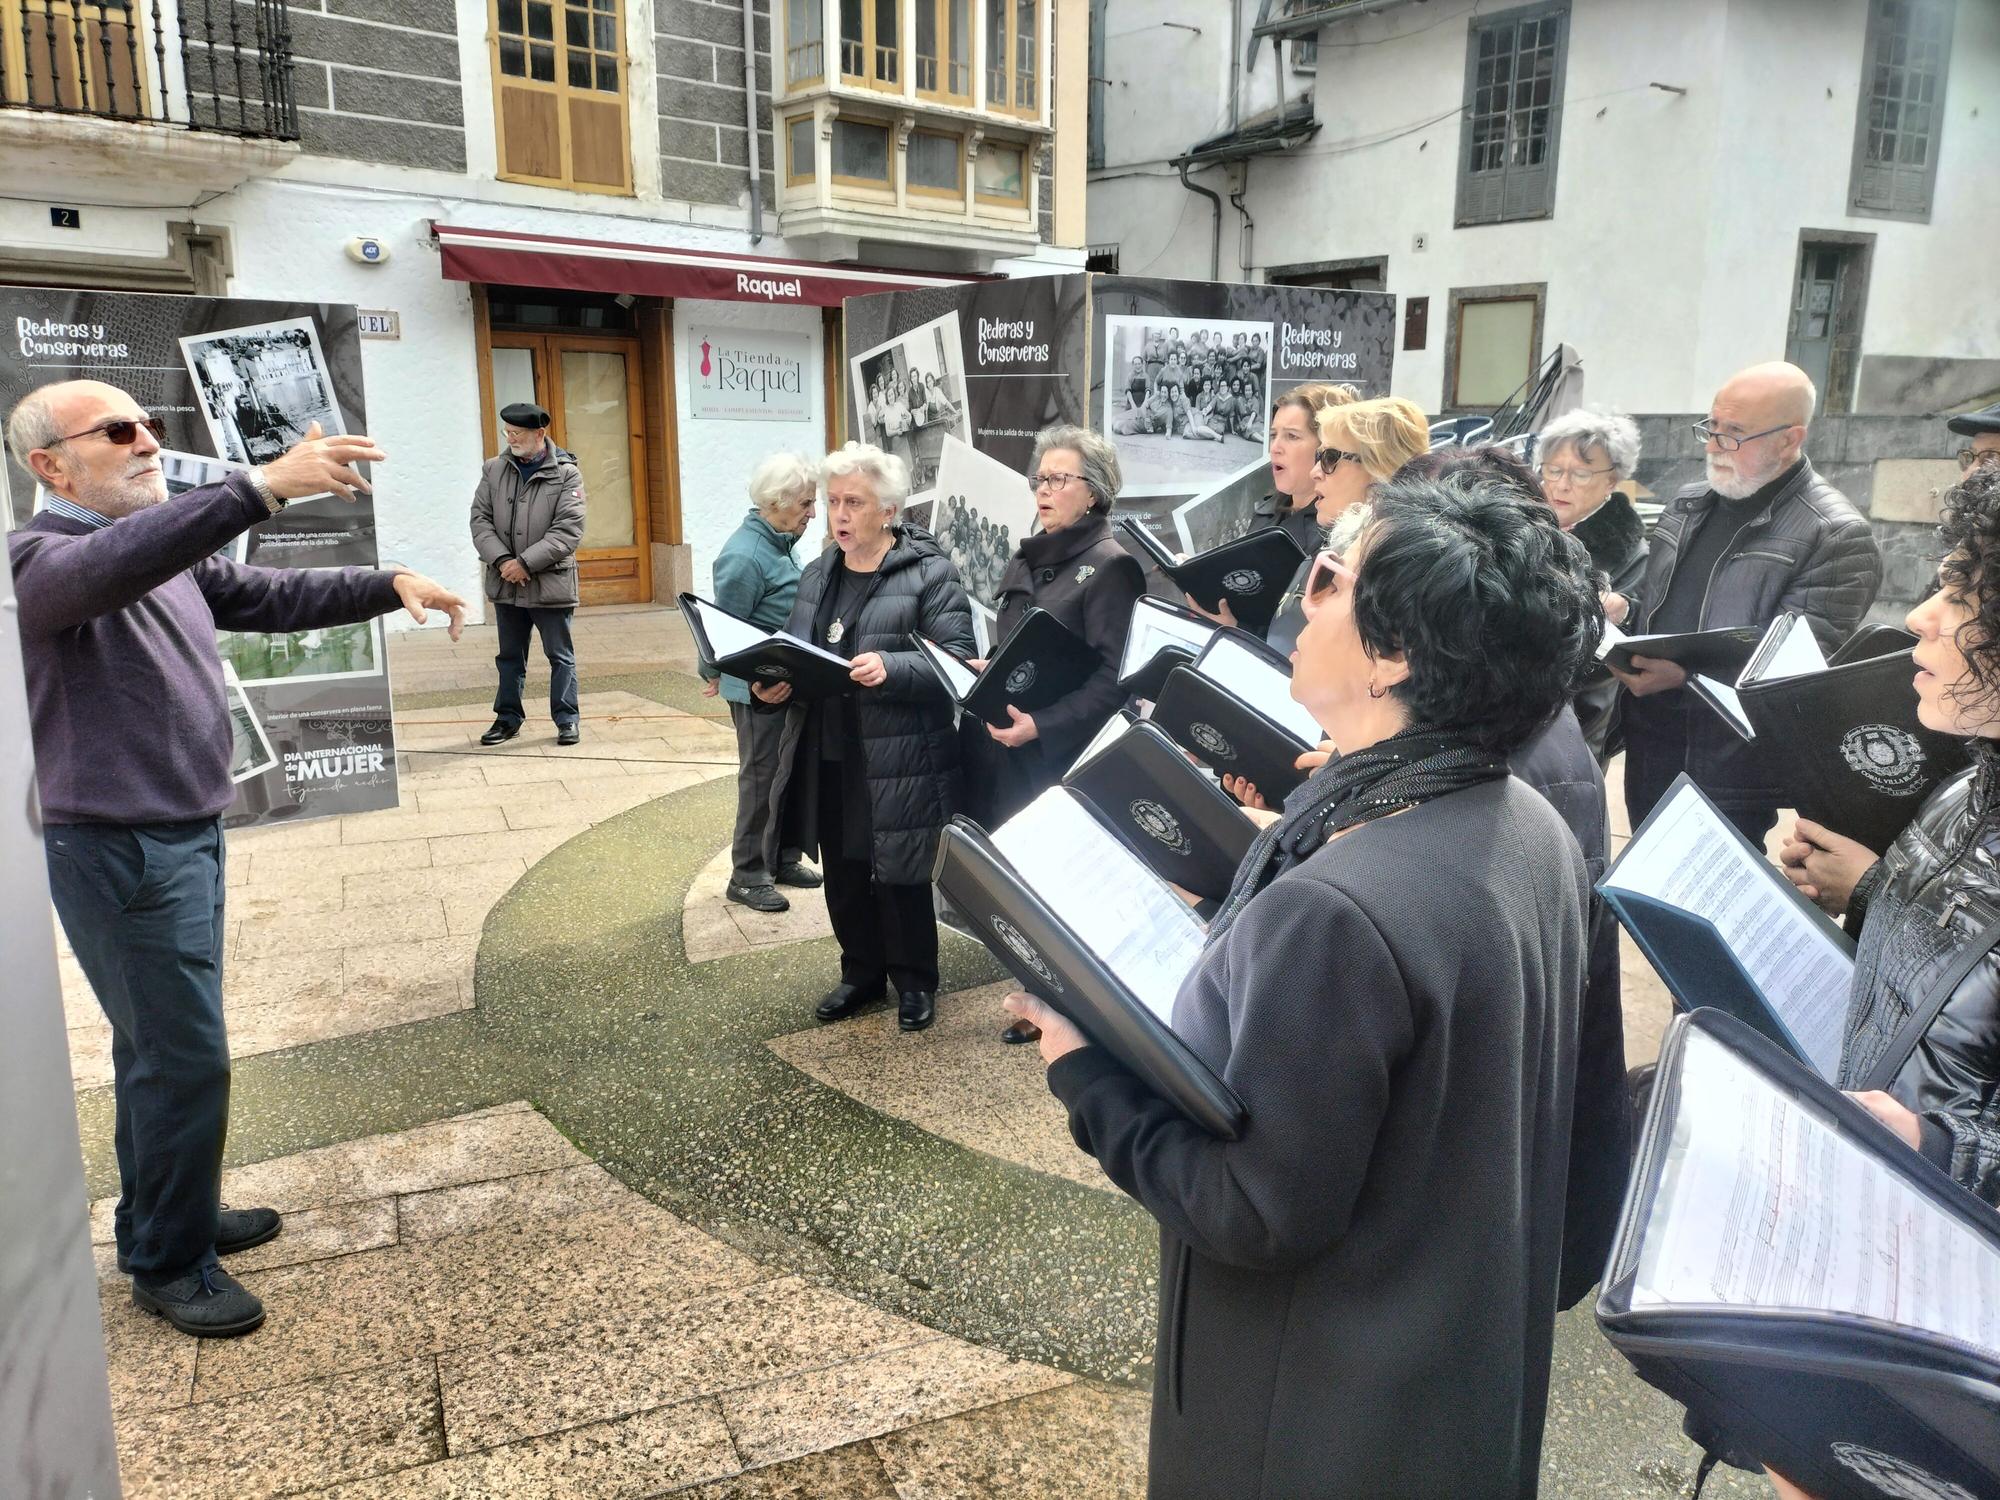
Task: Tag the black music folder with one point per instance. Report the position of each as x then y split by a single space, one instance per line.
1233 711
730 644
1251 573
1162 636
1718 653
1794 1274
1185 827
1725 929
1082 924
1041 661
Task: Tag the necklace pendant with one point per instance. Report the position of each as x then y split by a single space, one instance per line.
835 631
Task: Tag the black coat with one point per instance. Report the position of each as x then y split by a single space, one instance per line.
1087 580
1357 1296
909 750
1616 538
1275 512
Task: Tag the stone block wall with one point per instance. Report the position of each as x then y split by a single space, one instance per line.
704 145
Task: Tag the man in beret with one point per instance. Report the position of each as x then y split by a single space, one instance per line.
527 519
1983 427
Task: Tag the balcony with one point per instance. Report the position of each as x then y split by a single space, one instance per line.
134 98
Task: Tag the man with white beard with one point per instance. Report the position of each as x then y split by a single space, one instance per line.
1764 536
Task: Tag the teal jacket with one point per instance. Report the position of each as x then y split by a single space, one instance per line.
756 579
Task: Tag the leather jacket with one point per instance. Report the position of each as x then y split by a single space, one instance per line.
1935 890
1807 550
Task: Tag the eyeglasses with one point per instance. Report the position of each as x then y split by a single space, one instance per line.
1550 474
1329 459
1323 580
1706 431
1969 457
1039 482
123 431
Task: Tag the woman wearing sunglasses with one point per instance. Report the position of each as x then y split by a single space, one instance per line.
1359 1291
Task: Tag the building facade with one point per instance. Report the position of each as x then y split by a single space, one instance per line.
552 199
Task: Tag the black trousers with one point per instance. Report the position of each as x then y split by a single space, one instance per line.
142 907
515 625
886 932
1651 764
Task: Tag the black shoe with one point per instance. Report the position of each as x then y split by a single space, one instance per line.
843 1000
208 1303
799 875
236 1229
1020 1033
500 733
568 734
916 1010
756 897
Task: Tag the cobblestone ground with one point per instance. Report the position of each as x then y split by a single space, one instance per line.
580 1202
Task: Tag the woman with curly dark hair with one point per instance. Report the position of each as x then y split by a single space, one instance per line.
1357 1295
1937 890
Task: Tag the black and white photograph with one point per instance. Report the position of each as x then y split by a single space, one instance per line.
1186 400
980 513
190 471
909 398
262 387
304 655
251 754
1224 511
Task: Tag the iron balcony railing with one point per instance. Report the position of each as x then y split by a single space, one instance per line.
223 66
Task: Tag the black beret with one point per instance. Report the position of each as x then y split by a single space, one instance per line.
524 414
1972 423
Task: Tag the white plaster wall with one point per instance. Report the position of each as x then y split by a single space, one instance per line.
717 457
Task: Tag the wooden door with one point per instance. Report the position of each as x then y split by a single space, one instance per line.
590 384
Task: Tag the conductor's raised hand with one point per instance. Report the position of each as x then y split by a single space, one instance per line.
869 670
317 465
420 594
1059 1037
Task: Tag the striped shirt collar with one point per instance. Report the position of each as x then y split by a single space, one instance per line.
74 511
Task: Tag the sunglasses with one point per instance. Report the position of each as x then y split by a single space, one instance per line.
124 431
1330 459
1323 580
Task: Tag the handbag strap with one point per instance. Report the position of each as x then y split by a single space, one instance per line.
1911 1032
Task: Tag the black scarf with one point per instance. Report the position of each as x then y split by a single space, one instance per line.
1406 769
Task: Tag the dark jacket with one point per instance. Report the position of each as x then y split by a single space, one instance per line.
538 521
1087 580
1616 538
909 750
1558 764
1807 550
1302 525
1357 1297
756 579
1938 885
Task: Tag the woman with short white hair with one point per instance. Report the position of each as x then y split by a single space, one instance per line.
871 777
756 578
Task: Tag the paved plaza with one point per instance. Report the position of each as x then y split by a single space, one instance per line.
580 1201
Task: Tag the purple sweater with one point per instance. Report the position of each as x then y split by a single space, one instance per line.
118 636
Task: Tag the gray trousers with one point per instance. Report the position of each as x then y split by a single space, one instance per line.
755 850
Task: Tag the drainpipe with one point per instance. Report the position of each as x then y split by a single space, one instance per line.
1245 240
1215 236
750 115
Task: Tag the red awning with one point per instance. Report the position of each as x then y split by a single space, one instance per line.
509 258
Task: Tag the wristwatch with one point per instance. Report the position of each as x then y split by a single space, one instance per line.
264 491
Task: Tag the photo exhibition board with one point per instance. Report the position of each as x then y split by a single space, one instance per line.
237 381
1035 351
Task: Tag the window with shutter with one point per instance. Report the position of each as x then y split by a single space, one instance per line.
559 83
1512 119
1901 109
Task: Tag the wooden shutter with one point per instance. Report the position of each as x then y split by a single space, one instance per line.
559 81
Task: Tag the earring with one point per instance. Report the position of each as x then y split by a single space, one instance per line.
1374 691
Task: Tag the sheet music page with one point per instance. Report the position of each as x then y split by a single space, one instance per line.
807 646
1113 730
1729 700
727 635
1124 914
1689 858
1612 636
1797 655
957 674
1153 628
1762 1204
1231 665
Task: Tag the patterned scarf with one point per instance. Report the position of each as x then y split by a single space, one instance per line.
1404 770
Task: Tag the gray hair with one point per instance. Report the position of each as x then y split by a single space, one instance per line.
31 425
1589 428
888 474
1347 527
1098 457
784 482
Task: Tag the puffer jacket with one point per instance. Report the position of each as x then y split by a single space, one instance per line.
1616 538
909 745
1807 551
1936 888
